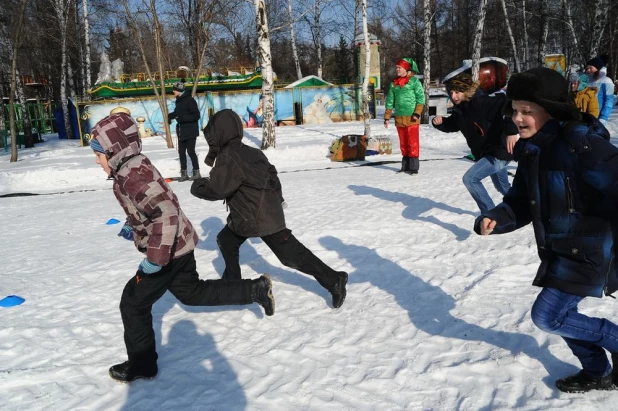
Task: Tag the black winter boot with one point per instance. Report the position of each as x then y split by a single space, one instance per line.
183 175
584 382
405 164
262 293
196 175
338 291
126 373
413 165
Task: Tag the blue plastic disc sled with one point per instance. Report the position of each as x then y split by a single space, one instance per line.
11 300
112 221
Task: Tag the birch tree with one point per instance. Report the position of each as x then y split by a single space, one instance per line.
511 37
426 55
62 9
268 98
544 29
601 10
577 54
478 39
299 73
365 92
526 46
160 90
88 63
317 36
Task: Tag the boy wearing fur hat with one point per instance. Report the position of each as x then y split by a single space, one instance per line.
566 185
243 177
186 115
162 232
407 98
479 118
597 74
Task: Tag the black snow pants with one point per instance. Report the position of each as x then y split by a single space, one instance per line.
180 277
291 252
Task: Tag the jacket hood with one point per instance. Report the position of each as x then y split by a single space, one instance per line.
118 135
222 128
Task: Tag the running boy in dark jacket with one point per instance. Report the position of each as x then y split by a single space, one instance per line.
162 232
479 118
243 177
566 186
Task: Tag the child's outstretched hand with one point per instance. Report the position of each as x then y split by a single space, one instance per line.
149 268
510 142
437 120
487 226
126 232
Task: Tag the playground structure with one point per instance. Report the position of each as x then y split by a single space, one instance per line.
41 120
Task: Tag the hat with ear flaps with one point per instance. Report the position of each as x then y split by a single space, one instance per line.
545 87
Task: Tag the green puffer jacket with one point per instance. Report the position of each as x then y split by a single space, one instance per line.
406 101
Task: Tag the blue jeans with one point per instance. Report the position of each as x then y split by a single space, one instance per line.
485 167
556 312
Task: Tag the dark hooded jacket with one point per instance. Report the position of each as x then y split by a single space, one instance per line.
243 177
566 185
481 122
187 115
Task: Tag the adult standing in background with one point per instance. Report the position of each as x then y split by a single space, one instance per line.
407 97
605 86
186 115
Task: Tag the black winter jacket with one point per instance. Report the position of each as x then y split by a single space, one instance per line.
243 177
187 115
481 122
567 185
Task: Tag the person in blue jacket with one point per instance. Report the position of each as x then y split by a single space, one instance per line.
566 185
597 77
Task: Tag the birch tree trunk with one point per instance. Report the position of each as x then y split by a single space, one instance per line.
25 117
88 69
268 100
544 29
577 54
365 95
299 73
16 42
511 37
160 90
62 8
426 56
478 39
526 48
601 11
318 36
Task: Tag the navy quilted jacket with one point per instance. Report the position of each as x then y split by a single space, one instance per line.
566 185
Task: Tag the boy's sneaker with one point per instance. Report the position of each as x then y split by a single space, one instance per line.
262 293
338 291
125 373
584 382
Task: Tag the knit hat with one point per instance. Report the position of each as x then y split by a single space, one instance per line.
96 146
462 82
596 62
408 64
179 86
545 87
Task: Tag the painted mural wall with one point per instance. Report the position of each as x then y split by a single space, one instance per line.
311 105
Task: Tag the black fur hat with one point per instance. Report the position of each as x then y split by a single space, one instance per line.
545 87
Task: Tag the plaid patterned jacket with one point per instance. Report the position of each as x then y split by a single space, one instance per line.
161 229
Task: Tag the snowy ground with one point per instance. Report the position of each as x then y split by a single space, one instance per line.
436 317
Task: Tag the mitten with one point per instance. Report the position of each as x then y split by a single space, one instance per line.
149 268
126 232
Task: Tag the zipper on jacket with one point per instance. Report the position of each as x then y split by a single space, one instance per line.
569 193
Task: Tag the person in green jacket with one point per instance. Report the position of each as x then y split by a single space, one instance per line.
407 97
